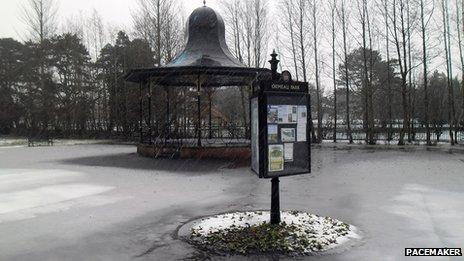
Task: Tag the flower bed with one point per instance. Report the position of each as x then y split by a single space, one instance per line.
251 233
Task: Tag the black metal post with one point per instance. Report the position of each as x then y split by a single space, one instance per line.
167 129
150 120
275 202
210 111
184 116
140 113
248 131
199 110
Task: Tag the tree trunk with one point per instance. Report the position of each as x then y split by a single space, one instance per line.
402 61
292 37
302 47
447 44
424 61
410 85
365 84
387 46
158 33
459 17
371 87
318 88
345 51
333 73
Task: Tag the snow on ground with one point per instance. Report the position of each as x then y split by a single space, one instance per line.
12 142
22 142
322 231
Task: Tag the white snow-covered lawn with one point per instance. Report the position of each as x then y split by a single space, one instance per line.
22 142
250 232
11 142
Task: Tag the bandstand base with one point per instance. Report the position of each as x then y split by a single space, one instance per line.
234 152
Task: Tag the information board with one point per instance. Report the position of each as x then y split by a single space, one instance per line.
280 130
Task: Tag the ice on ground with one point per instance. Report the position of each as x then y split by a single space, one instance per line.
428 209
25 192
12 178
14 201
398 197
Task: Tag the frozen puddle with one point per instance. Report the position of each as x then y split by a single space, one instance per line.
250 233
26 193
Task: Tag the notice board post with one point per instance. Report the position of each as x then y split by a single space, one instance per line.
280 129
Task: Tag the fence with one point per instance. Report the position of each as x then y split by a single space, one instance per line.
418 134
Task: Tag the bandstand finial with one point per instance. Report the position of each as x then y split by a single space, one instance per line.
204 2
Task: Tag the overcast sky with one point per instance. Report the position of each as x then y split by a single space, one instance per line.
116 12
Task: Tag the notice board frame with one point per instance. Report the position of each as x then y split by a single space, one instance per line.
269 93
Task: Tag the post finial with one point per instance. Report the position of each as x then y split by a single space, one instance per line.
274 62
204 2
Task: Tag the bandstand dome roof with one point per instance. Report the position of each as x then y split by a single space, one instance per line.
205 57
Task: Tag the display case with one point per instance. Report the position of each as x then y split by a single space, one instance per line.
280 129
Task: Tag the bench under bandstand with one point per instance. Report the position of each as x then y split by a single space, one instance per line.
184 127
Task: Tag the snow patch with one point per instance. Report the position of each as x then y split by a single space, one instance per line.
326 232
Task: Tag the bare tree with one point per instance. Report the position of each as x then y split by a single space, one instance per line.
400 39
347 83
95 34
40 18
301 26
233 12
333 10
251 21
316 65
241 35
247 35
459 27
462 64
410 85
425 72
370 93
298 25
389 75
172 33
449 68
289 21
158 22
261 34
366 84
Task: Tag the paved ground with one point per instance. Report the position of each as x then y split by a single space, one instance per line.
103 202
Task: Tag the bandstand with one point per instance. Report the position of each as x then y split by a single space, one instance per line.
185 125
